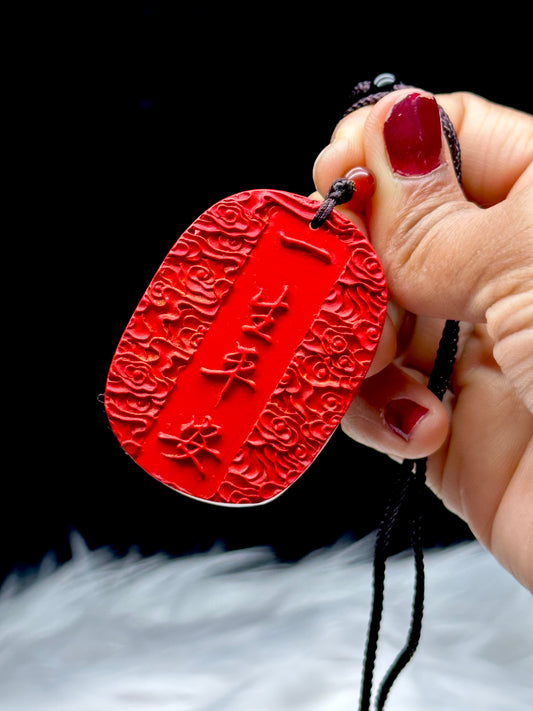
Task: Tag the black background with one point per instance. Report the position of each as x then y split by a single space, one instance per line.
140 117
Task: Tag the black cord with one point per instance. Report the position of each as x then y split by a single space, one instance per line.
410 483
341 191
417 483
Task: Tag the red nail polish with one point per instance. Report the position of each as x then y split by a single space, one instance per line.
413 135
364 187
402 415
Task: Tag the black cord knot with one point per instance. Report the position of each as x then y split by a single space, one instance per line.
340 191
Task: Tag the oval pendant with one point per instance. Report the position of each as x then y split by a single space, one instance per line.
247 348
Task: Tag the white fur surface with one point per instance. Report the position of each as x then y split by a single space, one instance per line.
239 631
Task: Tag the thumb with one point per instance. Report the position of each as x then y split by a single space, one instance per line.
444 256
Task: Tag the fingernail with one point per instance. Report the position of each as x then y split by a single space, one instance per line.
364 187
413 135
402 415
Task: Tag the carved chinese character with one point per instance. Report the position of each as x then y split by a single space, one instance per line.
192 441
311 249
237 367
263 314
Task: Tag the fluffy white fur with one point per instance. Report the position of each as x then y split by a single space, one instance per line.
238 631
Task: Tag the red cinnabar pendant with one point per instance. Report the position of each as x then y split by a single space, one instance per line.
247 348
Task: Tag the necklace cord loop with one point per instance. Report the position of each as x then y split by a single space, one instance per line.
405 498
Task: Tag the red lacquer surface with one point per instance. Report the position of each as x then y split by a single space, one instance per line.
247 348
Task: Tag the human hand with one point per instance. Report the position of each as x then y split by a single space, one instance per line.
452 253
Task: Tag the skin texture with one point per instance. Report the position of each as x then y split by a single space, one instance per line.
455 253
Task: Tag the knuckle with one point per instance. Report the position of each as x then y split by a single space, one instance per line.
510 325
423 246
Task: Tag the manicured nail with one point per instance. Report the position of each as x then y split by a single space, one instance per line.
413 135
364 187
402 415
